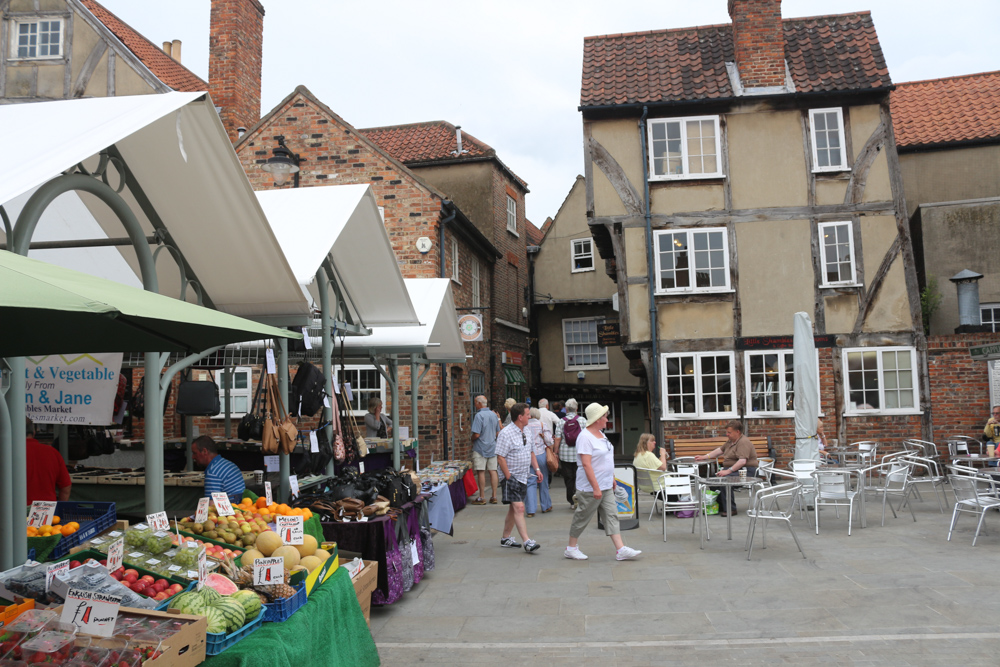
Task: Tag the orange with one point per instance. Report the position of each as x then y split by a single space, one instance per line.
295 511
261 503
32 531
55 520
306 513
68 530
284 509
265 512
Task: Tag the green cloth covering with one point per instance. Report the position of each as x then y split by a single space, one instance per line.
130 499
311 526
43 546
329 630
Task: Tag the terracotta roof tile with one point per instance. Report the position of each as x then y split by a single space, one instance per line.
425 142
824 53
165 68
941 111
535 235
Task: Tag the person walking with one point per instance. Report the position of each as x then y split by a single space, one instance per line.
595 484
564 439
517 461
539 439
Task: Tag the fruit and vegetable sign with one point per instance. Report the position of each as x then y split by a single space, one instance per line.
290 529
267 493
41 513
93 613
201 515
158 521
52 570
268 571
71 388
222 504
116 553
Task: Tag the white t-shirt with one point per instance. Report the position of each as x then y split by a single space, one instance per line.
602 460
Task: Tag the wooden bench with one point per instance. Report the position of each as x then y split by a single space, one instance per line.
695 446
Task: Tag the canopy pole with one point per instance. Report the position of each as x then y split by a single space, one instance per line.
285 460
154 432
394 371
62 432
415 381
227 377
188 442
6 483
323 282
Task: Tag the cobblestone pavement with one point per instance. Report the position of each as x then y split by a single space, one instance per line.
898 594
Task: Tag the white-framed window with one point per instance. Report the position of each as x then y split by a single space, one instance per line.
582 254
366 382
35 39
698 385
511 215
240 394
828 149
770 382
580 348
881 380
685 148
692 260
612 426
837 241
990 314
476 284
454 262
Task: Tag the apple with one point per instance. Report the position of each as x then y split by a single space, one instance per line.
164 582
104 562
139 587
175 589
147 577
159 597
74 563
131 571
116 576
131 576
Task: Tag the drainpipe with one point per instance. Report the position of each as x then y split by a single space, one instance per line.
654 382
446 205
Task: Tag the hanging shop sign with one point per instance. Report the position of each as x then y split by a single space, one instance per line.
71 388
609 334
512 358
470 327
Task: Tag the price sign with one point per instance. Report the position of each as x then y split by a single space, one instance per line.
158 521
313 442
222 504
268 571
414 556
326 401
272 463
272 368
92 613
174 569
350 394
41 513
201 514
306 340
336 388
52 570
116 553
290 529
136 555
267 493
203 568
115 534
293 482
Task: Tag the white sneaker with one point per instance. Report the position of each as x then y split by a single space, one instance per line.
575 554
627 553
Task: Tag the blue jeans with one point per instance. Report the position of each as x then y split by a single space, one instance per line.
531 502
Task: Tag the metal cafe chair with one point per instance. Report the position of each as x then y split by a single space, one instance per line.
931 475
973 495
971 444
833 489
680 486
894 480
766 507
645 478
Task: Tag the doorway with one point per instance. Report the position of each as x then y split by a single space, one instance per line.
633 422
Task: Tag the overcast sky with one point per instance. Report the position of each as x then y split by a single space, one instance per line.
508 72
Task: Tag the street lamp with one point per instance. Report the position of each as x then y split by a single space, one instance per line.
282 163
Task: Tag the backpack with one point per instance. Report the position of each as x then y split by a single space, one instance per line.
307 390
571 429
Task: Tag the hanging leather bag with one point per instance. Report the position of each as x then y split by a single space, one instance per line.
251 426
269 436
288 432
198 398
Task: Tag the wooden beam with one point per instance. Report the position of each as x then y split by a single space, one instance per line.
89 65
621 280
859 174
588 168
714 218
875 284
609 166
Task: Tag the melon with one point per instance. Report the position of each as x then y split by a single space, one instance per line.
308 546
221 584
310 563
233 611
216 620
267 542
322 554
209 595
251 603
249 556
289 553
188 603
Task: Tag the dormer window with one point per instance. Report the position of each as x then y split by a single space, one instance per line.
37 39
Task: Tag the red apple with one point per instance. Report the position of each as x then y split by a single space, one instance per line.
104 562
162 582
74 563
147 577
131 576
139 587
159 597
131 571
175 589
116 576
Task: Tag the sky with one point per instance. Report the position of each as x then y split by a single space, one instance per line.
509 72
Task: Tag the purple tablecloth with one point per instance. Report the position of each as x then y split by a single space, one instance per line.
458 497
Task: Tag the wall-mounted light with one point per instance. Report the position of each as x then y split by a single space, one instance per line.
283 163
581 375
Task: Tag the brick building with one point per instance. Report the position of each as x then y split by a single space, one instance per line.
492 196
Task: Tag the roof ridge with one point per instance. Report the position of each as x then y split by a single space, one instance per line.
953 77
465 135
417 124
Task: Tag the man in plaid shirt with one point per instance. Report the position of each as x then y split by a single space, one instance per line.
516 459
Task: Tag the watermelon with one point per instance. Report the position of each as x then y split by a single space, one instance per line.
251 603
209 595
216 620
221 584
188 603
233 612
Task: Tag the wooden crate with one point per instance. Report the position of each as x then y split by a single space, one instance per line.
364 585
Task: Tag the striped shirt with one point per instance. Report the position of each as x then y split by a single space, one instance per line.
512 445
222 476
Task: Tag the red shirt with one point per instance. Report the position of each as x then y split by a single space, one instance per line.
46 471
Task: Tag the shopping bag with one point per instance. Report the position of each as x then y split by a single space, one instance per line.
471 488
711 501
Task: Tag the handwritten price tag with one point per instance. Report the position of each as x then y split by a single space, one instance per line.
203 568
293 483
268 571
116 554
290 529
272 463
93 613
272 368
306 340
52 570
41 513
267 493
158 521
201 514
313 442
222 504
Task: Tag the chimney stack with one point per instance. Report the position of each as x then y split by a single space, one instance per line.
235 47
758 42
175 50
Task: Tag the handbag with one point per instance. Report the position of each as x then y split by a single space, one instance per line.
288 432
269 437
551 460
197 398
251 426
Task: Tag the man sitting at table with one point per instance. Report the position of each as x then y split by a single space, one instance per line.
737 452
220 475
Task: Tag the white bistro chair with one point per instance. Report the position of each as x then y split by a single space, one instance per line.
766 507
683 486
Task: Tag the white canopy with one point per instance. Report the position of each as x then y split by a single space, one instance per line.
342 223
177 149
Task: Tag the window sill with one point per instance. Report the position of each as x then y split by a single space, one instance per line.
885 413
234 416
456 280
673 417
511 231
686 177
831 170
583 270
841 286
769 415
574 369
727 290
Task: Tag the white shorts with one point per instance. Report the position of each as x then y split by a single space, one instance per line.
480 462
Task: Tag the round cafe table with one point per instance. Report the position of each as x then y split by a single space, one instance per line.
732 481
972 460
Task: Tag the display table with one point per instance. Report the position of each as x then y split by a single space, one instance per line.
329 630
377 539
